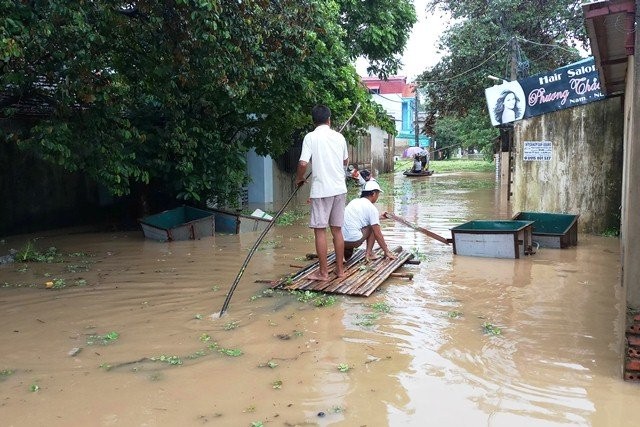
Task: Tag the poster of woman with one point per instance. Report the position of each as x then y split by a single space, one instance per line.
506 103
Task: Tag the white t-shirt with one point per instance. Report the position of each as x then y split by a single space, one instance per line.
359 213
327 150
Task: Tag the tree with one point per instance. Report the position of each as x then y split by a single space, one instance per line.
472 131
505 38
171 95
367 27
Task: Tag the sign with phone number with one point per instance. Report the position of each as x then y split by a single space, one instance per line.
537 151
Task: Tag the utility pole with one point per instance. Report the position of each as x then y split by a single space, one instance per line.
507 161
417 125
514 60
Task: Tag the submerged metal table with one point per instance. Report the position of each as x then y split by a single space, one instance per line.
552 230
493 238
186 222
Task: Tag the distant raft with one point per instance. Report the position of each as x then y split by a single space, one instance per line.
421 173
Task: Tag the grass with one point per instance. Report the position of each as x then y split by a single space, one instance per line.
491 329
71 263
103 339
290 217
454 165
30 254
344 367
317 299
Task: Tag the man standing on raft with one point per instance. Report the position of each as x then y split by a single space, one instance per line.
327 151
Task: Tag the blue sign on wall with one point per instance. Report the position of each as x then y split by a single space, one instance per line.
569 86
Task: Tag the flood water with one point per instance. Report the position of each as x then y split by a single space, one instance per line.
468 342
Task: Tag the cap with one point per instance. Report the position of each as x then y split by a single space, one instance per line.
372 186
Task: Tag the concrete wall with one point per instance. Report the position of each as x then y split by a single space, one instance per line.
584 175
392 104
284 186
381 148
630 228
261 170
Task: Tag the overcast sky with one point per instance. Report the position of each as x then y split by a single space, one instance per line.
421 51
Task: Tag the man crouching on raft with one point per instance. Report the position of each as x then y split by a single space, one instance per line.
362 223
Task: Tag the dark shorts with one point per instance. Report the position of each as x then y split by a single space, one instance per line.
366 231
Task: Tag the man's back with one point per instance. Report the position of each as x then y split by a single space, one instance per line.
359 213
327 150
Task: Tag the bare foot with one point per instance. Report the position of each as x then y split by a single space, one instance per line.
371 257
317 276
341 274
390 255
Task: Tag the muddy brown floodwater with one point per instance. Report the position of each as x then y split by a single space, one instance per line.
415 353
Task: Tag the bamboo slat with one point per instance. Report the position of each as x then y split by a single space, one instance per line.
362 277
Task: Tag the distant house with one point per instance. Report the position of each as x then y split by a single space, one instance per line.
398 98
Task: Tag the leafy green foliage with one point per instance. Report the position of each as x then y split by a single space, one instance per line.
344 367
473 130
456 165
59 283
230 325
366 25
147 95
290 217
491 329
381 307
30 254
171 360
5 373
317 299
368 319
105 339
233 352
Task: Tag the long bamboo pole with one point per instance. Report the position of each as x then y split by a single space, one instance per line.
234 285
417 228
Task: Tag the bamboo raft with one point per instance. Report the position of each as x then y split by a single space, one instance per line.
361 278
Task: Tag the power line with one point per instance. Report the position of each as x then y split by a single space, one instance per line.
466 71
546 44
388 99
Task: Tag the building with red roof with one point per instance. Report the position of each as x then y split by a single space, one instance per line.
398 98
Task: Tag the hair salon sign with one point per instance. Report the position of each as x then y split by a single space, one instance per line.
574 84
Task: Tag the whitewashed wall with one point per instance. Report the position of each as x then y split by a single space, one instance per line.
392 104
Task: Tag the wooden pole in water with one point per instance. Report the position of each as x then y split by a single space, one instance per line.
234 285
417 228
